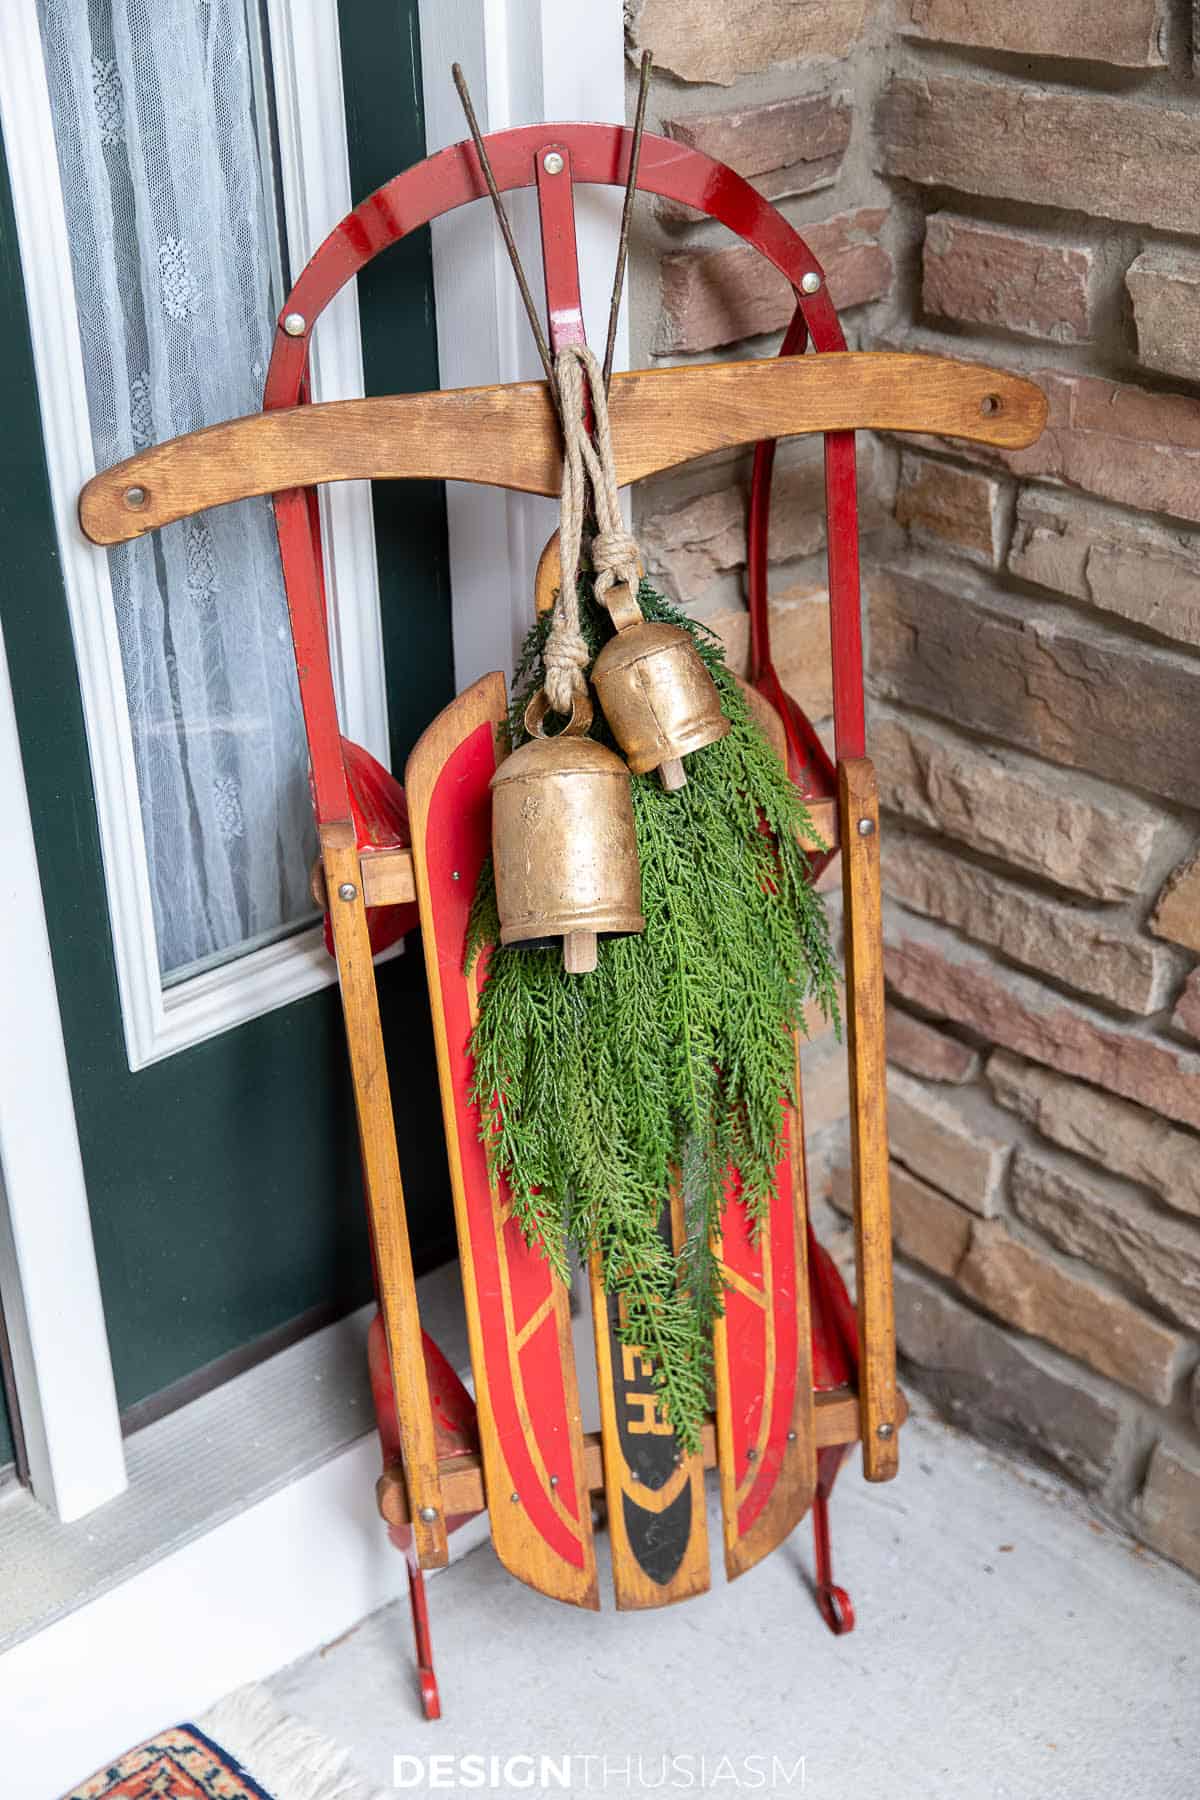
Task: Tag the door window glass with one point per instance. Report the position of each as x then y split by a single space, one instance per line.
163 135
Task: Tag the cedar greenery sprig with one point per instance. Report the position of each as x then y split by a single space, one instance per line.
673 1061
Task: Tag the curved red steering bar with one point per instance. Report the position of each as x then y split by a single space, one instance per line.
593 153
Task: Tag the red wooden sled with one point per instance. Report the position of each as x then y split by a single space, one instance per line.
800 1375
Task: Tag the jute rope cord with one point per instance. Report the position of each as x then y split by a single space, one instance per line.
587 460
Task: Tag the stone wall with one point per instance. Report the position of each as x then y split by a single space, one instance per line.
1016 183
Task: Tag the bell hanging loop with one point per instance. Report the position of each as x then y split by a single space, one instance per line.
660 701
564 846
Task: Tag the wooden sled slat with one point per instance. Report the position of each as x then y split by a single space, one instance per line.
508 436
766 1432
385 1194
654 1495
837 1423
859 807
518 1318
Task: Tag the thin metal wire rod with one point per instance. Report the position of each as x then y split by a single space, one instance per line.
510 243
635 157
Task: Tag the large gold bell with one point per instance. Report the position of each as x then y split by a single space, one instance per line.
659 699
563 842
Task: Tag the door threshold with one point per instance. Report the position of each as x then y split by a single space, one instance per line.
207 1462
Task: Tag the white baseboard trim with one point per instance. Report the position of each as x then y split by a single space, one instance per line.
270 1585
248 1537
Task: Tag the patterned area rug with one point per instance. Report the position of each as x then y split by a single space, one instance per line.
244 1749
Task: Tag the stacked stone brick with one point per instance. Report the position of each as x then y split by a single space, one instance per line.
1013 183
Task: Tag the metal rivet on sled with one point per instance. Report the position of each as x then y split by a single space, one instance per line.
885 1431
515 1498
429 1514
454 875
347 891
552 162
752 1456
554 1481
295 324
866 827
791 1437
810 283
135 496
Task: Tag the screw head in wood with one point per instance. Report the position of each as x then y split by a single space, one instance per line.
552 162
135 496
866 827
347 891
554 1481
752 1456
295 324
885 1431
810 283
429 1514
515 1498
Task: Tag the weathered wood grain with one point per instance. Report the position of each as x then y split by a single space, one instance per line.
508 436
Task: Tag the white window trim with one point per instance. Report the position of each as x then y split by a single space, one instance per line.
316 183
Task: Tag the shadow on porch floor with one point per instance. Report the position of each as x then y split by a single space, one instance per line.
1007 1647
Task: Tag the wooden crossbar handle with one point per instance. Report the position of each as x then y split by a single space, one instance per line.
836 1415
508 436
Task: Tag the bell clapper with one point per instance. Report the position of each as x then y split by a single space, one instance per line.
580 952
672 774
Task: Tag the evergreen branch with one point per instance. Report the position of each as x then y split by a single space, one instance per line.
677 1052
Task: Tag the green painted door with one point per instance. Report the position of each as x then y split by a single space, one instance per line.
223 1180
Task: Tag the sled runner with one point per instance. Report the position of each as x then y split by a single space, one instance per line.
800 1375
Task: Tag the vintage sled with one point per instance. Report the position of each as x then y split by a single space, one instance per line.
800 1374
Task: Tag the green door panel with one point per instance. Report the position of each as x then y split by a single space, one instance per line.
7 1448
223 1182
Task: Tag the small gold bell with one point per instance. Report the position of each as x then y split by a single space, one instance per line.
563 841
659 699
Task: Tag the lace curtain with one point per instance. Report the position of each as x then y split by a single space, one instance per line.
167 196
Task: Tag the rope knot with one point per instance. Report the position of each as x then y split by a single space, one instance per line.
614 551
615 558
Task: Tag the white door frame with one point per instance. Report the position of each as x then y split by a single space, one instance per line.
49 1287
48 1281
525 59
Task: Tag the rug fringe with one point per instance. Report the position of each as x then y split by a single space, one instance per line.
286 1757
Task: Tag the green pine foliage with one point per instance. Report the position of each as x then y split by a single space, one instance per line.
673 1060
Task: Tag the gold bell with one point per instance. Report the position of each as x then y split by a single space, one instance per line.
563 841
659 699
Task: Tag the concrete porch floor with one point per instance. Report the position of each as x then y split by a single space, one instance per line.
1008 1648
